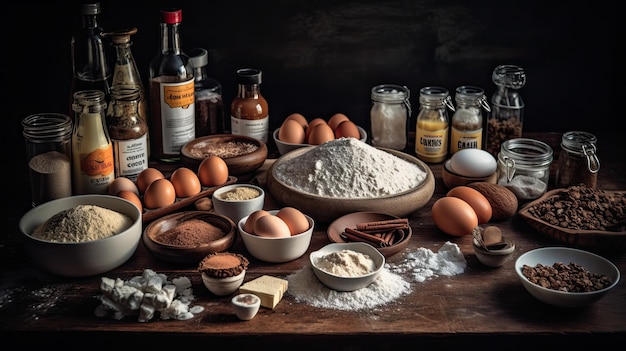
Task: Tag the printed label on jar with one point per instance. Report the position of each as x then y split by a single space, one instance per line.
465 140
255 128
131 157
431 141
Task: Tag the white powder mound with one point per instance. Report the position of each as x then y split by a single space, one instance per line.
424 264
349 168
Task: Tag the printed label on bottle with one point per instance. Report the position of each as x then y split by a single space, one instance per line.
131 157
177 115
432 145
96 171
465 140
255 128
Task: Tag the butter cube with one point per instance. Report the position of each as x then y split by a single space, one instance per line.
269 289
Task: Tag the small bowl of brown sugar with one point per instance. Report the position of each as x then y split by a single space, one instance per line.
223 272
243 155
187 237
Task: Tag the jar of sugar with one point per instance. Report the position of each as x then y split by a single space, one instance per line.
389 116
524 167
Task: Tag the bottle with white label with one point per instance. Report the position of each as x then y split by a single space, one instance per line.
92 149
172 98
467 120
249 109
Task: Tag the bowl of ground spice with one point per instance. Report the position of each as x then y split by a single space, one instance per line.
187 237
243 155
236 201
81 235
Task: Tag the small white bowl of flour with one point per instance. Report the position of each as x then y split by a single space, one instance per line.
347 266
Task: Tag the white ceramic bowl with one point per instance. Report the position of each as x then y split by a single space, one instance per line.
547 256
237 209
245 306
341 283
284 147
223 286
86 258
276 250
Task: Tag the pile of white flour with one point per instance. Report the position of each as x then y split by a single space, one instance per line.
349 168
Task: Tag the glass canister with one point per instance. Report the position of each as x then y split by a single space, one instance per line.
389 116
524 167
48 138
578 161
431 129
467 121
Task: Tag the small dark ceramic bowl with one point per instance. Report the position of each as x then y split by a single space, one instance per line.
196 150
188 254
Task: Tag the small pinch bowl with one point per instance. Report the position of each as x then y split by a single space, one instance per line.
223 286
276 250
340 283
547 256
496 255
245 306
188 254
237 209
82 259
284 147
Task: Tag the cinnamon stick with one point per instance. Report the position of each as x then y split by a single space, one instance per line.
349 232
387 223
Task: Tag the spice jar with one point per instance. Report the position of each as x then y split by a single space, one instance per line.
48 138
389 114
524 167
249 110
431 130
507 107
578 161
467 121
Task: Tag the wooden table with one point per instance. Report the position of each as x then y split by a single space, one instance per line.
482 306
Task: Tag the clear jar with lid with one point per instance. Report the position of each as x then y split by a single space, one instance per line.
48 138
389 116
467 120
524 167
431 129
578 160
507 107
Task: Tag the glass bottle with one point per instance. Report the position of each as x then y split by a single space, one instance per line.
507 107
389 116
467 120
578 160
92 150
128 131
172 113
249 109
431 130
90 63
524 167
48 138
208 91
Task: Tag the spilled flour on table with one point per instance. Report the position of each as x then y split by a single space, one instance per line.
390 284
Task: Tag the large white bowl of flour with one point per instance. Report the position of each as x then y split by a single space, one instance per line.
346 175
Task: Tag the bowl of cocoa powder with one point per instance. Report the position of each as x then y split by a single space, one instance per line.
187 237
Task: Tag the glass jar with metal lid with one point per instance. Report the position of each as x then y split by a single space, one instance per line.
431 129
467 120
524 167
389 116
578 161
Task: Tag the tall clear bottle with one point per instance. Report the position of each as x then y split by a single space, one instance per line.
92 149
507 107
128 131
90 65
431 130
467 120
172 101
209 104
249 110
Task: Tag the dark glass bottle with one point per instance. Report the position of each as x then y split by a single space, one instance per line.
249 109
172 100
90 63
209 104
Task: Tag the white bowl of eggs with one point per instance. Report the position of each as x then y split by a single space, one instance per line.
276 236
296 131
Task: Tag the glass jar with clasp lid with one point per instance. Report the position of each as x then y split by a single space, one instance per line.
389 115
524 167
467 121
578 160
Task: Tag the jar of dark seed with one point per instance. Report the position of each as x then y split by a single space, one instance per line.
578 161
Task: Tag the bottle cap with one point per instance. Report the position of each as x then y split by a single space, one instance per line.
90 9
248 76
171 16
199 57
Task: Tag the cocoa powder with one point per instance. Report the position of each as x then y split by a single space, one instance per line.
190 233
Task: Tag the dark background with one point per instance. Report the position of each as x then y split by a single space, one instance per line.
323 57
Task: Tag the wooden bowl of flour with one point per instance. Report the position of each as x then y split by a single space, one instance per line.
325 209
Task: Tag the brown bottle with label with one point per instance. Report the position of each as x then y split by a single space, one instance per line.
249 109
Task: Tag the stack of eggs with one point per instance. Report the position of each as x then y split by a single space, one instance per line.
468 166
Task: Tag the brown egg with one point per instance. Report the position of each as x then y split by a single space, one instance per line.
132 197
291 131
122 183
295 220
213 171
248 226
272 227
321 133
474 198
347 129
159 193
146 177
186 182
454 216
299 118
312 125
336 119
